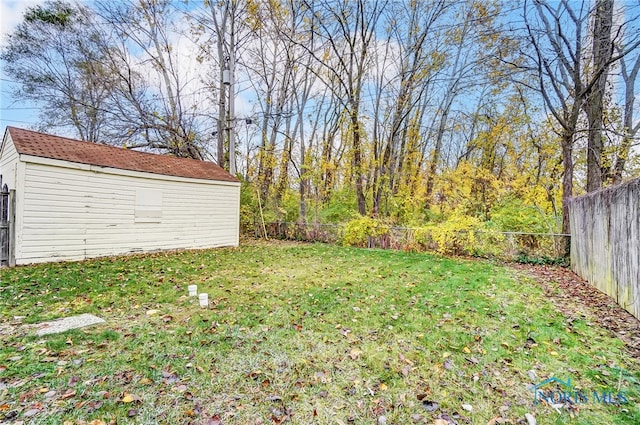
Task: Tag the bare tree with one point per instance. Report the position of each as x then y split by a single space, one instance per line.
164 116
417 65
54 56
557 32
343 38
602 50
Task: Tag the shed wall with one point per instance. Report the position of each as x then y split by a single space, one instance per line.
8 161
70 212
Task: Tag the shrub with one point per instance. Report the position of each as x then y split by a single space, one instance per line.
512 215
358 232
423 238
456 235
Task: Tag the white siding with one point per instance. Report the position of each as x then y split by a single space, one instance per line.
71 213
8 161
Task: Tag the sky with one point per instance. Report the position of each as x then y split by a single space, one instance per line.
13 113
22 114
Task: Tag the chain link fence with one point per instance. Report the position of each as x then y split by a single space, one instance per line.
535 248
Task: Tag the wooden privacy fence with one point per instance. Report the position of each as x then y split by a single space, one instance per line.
520 246
605 242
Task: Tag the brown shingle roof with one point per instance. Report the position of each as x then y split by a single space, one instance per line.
47 146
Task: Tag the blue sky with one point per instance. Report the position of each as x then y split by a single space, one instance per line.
12 113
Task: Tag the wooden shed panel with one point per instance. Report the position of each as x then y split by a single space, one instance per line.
8 161
70 213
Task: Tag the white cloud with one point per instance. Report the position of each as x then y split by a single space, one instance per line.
11 12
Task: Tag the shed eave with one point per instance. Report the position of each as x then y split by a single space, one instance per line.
119 171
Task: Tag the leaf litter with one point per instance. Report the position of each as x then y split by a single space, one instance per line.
353 352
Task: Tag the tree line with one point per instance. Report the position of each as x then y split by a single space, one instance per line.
411 111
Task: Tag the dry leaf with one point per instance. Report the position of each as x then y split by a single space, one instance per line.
405 371
355 353
67 395
215 420
130 398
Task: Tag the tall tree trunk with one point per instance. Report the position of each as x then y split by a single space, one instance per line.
567 178
357 159
602 50
435 156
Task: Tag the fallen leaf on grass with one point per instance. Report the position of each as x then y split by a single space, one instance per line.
31 412
355 353
130 398
93 405
473 360
215 420
68 394
404 359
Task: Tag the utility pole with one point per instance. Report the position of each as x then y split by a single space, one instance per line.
232 96
226 56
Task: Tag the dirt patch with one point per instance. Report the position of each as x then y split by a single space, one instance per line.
574 295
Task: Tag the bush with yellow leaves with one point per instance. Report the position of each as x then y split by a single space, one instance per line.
360 231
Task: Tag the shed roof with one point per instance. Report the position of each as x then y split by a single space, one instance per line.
43 145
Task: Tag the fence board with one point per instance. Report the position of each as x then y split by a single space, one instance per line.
605 242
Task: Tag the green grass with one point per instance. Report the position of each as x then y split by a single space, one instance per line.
299 334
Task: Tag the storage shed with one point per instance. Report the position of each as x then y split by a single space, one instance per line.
72 200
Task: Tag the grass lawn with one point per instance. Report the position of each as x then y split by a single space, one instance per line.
301 334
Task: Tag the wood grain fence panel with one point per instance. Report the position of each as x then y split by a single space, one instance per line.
605 242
